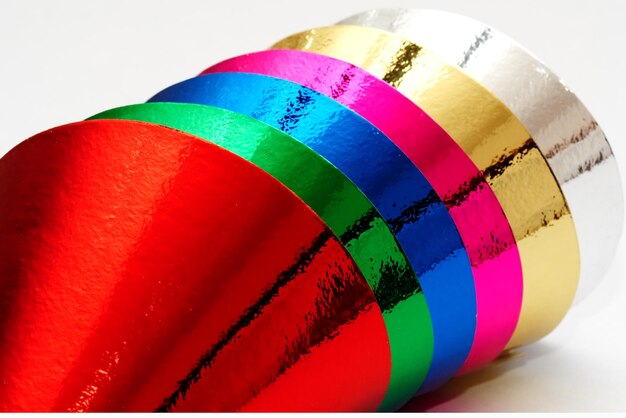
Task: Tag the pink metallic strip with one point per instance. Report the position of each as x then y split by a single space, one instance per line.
475 209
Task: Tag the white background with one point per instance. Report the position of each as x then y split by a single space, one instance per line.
65 60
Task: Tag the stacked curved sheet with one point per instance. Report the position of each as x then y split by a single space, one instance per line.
339 223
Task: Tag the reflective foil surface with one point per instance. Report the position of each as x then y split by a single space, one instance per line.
416 215
339 203
474 208
496 142
563 129
145 269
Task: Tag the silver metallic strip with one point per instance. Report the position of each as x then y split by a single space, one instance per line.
566 133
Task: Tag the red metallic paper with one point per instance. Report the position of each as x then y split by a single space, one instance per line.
144 269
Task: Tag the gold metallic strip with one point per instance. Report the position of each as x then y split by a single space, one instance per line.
498 144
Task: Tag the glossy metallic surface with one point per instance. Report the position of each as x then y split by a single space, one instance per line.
563 129
340 204
416 215
474 208
496 142
145 269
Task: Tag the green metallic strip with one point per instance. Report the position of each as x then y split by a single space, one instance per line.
342 206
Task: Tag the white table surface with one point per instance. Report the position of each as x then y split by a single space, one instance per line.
65 60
